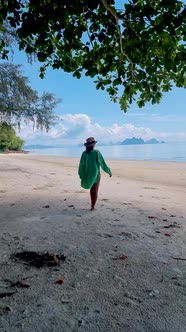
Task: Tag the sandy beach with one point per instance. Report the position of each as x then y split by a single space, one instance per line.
125 263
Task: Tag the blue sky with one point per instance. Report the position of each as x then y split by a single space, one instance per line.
85 111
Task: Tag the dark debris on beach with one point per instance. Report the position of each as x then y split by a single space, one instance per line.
39 260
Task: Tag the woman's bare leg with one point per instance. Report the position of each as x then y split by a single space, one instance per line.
94 194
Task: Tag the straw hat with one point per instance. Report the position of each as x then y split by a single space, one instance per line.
90 142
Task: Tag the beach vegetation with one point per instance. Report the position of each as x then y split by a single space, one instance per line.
8 138
20 103
135 51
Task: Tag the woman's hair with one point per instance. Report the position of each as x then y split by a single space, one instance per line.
89 149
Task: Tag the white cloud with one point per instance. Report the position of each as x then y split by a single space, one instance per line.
77 127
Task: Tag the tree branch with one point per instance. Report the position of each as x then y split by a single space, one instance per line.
117 18
88 33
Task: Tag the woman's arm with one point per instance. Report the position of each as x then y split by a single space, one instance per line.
103 164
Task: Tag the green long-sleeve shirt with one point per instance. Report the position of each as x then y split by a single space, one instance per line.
89 168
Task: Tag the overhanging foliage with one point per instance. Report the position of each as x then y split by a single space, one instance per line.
19 102
139 47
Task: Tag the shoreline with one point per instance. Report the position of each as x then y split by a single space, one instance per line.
6 151
117 159
158 172
170 152
34 154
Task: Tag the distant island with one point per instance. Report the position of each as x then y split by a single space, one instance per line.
127 141
135 141
130 141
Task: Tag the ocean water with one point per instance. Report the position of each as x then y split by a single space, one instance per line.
161 152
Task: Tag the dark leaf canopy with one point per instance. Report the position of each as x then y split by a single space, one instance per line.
134 51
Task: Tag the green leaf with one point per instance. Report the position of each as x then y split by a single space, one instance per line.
81 37
77 74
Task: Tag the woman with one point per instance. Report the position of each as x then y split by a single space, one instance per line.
89 169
